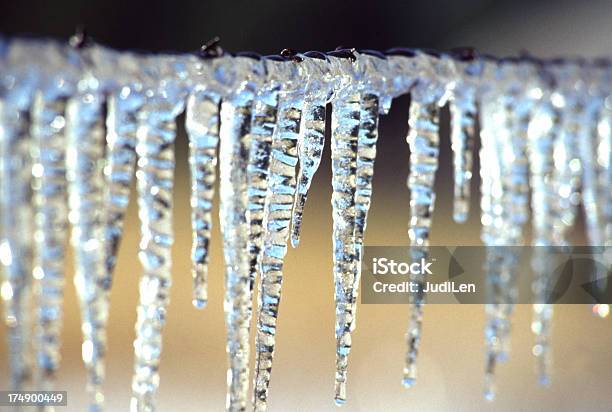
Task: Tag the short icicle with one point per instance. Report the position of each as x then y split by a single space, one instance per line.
125 97
263 125
311 138
463 114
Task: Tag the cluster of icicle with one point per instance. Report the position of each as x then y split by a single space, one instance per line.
77 123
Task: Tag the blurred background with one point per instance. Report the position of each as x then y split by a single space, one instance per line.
451 357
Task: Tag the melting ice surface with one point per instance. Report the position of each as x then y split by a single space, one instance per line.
79 125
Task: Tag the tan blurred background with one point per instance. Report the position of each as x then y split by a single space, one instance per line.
451 360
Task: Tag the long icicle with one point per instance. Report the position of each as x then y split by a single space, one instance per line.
423 140
510 208
263 125
345 133
491 192
86 189
233 159
16 237
51 224
202 124
276 224
543 130
427 96
155 178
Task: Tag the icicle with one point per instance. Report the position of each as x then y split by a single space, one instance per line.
345 133
202 124
276 221
311 138
263 124
120 74
51 212
233 159
463 125
375 99
594 178
490 173
16 211
542 132
505 203
568 168
429 94
155 175
85 140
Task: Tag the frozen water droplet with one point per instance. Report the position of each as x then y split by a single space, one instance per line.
199 303
408 382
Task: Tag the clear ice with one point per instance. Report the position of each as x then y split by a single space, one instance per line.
311 137
78 123
276 220
87 213
236 115
428 95
165 98
202 125
16 236
464 115
48 129
346 113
